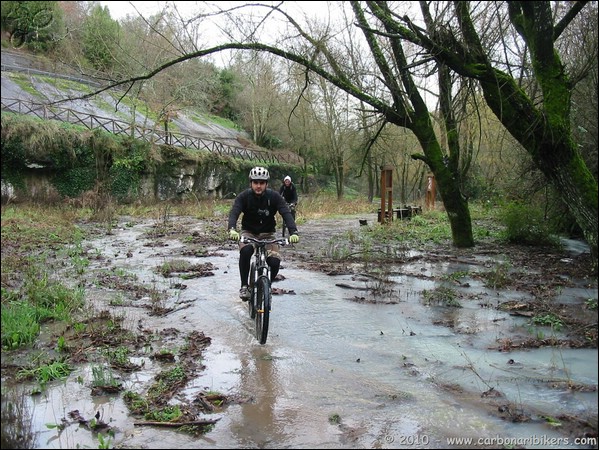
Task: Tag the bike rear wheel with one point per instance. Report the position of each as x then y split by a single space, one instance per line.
263 298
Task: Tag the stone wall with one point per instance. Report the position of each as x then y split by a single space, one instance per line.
211 178
203 182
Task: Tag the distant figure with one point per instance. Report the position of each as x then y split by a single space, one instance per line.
289 193
431 192
167 117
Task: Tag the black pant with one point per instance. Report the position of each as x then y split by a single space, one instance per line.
245 257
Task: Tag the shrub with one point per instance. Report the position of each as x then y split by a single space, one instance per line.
526 225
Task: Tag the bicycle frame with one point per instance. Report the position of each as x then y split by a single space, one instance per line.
259 304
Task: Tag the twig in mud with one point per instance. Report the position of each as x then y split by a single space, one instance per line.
347 286
177 424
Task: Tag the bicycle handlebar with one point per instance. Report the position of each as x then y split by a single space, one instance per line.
251 240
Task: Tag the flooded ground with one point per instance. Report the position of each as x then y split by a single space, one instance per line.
415 353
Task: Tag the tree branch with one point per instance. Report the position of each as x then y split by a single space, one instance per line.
570 15
343 84
177 424
369 145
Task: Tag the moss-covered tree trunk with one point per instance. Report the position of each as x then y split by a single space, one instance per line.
544 131
410 111
553 147
448 186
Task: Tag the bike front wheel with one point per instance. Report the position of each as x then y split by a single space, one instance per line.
252 301
263 299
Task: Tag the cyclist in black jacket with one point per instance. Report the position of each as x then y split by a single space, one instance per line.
288 191
259 204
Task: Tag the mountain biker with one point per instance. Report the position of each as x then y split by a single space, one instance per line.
259 204
288 191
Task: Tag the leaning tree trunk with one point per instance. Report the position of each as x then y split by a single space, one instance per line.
548 136
557 157
548 140
544 130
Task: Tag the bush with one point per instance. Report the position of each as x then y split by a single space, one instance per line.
526 225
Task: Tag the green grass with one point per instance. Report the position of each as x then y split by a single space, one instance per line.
204 119
31 292
166 414
45 373
39 300
103 377
20 323
24 83
441 296
548 320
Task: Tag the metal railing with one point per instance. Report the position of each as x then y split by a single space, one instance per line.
152 135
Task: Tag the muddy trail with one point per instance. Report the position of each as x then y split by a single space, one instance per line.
370 346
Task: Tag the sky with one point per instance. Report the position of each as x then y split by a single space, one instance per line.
119 10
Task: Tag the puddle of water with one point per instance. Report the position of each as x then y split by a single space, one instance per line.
402 375
576 295
575 246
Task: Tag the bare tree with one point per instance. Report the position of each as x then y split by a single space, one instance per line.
302 123
338 129
259 100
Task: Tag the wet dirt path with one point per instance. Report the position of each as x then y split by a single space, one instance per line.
347 364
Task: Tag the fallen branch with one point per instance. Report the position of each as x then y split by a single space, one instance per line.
347 286
177 424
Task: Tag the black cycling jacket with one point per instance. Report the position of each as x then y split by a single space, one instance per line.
289 193
259 212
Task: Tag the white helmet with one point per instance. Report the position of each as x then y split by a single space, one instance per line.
259 173
287 178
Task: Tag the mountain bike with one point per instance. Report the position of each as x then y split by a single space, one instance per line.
292 209
259 304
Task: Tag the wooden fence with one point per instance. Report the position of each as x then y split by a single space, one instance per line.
152 135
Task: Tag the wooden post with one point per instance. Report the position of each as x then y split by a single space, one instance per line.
386 214
431 192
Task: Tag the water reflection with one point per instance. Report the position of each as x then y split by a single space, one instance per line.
263 384
16 423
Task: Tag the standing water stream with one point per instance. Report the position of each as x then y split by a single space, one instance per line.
347 363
